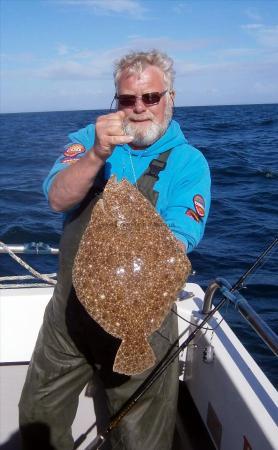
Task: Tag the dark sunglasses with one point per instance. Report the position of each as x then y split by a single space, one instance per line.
149 99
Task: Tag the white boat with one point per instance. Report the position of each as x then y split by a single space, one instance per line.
233 405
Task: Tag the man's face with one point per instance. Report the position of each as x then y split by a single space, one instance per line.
146 123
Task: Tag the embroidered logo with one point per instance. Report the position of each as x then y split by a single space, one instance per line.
191 213
74 150
199 212
199 204
69 160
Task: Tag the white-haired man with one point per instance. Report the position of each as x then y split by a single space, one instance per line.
139 142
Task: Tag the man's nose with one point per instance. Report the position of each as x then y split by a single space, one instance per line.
139 105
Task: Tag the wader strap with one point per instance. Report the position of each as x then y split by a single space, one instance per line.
147 180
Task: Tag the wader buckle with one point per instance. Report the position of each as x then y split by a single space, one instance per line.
155 167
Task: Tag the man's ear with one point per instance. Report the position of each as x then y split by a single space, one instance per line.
173 96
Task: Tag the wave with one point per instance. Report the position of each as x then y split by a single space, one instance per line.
266 122
225 172
20 234
225 126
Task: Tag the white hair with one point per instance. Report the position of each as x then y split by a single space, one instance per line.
136 62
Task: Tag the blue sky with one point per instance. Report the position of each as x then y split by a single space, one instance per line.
58 54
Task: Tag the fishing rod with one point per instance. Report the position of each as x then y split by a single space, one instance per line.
240 282
167 360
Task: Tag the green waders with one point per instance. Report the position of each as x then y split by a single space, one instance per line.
72 348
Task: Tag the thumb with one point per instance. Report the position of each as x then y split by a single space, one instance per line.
120 115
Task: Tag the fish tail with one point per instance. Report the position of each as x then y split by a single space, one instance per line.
134 356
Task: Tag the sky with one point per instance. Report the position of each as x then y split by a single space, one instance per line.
58 54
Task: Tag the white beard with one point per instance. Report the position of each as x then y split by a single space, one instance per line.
147 136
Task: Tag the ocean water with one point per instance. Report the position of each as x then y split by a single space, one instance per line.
241 146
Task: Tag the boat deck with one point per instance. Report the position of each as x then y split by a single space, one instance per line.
227 389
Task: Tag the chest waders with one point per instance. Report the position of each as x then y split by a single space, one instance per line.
71 348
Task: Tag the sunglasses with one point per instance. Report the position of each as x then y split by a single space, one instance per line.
149 99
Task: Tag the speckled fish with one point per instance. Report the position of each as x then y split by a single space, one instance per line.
128 271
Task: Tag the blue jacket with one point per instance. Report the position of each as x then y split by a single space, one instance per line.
183 186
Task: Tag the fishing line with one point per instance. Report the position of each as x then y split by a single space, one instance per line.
133 170
130 158
194 324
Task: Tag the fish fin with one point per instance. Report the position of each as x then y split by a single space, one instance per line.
102 206
134 356
113 180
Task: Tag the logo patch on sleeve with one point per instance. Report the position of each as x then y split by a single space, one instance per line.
74 150
69 160
199 204
191 213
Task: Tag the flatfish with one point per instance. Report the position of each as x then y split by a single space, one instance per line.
128 271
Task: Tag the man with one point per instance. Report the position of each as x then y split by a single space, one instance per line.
139 142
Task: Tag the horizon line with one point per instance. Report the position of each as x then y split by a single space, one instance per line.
107 109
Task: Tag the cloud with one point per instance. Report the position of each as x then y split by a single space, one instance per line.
226 82
168 44
262 87
66 51
240 53
252 26
253 14
63 49
266 36
84 64
78 64
107 7
245 73
18 58
72 70
249 67
181 8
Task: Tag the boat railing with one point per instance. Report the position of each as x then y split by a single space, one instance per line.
32 248
245 309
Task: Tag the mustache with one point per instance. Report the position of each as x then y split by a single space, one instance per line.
138 118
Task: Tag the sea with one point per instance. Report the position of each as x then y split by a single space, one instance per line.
240 144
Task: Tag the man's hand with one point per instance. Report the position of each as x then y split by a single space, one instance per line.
109 133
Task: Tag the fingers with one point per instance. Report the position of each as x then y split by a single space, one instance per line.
120 114
120 140
109 133
111 120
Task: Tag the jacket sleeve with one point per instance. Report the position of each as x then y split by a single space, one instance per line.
78 143
189 202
